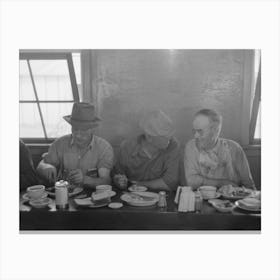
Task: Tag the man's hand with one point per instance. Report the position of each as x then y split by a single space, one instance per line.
120 181
76 176
50 173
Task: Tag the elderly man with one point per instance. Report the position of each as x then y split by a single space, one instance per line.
152 158
210 160
79 155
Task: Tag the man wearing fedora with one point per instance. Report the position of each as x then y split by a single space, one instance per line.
80 153
152 158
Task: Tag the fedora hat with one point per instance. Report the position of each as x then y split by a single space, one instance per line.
83 116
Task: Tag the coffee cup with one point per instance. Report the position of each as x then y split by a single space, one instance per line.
208 192
35 192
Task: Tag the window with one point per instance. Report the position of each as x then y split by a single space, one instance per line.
49 84
255 122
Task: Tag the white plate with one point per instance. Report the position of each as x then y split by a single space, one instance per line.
243 207
40 203
137 189
215 200
75 191
140 199
26 196
115 205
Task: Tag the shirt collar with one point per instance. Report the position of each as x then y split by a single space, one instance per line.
90 146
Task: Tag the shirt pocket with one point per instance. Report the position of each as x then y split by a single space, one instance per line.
70 160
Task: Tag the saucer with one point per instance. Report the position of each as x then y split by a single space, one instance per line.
26 196
115 205
40 203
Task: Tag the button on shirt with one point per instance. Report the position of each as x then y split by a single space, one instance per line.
64 155
137 165
226 160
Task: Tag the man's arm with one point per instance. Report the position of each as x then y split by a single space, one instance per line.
104 178
47 171
155 185
243 169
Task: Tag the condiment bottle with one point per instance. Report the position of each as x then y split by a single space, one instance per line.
162 199
61 194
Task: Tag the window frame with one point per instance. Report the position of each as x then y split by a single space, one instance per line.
255 110
49 56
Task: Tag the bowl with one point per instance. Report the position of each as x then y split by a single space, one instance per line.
207 192
224 207
136 188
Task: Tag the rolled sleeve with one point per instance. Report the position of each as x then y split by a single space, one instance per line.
192 172
243 168
52 157
106 158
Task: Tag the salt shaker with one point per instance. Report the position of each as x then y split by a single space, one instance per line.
162 199
198 201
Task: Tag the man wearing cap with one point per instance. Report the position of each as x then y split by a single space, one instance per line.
152 159
211 160
79 154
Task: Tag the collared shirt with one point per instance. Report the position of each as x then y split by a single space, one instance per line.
64 155
134 162
28 176
226 160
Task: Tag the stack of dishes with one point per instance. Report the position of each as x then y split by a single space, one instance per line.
37 196
249 204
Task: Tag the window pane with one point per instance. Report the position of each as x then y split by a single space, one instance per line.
52 79
258 124
26 91
53 118
30 123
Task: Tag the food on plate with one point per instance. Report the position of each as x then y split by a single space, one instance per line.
230 191
140 197
225 204
103 195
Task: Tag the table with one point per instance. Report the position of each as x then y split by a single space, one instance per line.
134 218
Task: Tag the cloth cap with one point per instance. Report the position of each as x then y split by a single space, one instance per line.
157 123
83 116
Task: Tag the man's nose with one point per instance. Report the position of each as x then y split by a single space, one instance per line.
196 135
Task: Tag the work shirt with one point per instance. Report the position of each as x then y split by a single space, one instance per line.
136 164
226 160
65 155
28 176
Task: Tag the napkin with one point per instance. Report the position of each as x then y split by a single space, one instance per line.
185 197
